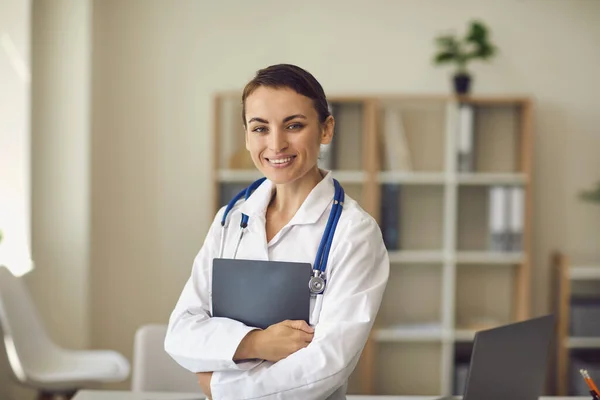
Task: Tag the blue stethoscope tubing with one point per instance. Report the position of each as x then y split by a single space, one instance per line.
317 281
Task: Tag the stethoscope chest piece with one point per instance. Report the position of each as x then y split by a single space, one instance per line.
316 284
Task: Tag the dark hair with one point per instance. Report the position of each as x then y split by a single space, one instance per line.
289 76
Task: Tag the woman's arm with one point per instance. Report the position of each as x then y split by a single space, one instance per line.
194 339
350 305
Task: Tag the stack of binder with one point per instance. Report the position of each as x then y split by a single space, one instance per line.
506 212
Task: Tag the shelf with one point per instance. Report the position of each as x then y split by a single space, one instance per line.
491 179
585 273
462 257
583 342
240 175
408 333
446 284
416 256
486 257
464 335
349 176
468 335
414 178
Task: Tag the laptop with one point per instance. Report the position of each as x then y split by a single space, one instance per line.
510 362
260 293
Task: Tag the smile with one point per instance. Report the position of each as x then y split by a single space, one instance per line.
281 162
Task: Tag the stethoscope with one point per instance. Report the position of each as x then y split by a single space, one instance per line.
317 281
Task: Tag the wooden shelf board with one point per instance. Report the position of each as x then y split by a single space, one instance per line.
416 178
238 175
591 272
408 334
583 342
349 176
416 256
481 178
241 175
477 100
486 257
464 335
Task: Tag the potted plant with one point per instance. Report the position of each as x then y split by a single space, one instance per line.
475 45
593 196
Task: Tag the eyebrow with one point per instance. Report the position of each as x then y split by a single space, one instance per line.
286 119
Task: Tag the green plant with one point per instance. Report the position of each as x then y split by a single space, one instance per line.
475 45
593 195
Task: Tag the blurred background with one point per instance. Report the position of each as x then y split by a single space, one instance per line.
109 113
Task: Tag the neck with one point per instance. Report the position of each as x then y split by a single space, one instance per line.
288 198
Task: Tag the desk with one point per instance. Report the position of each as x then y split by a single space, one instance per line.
124 395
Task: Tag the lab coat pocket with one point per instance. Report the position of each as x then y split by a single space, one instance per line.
316 303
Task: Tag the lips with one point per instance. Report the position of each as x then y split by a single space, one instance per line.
281 161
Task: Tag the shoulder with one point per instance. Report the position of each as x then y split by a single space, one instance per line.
358 224
358 252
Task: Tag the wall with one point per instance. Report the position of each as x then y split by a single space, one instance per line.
60 48
155 67
60 135
15 109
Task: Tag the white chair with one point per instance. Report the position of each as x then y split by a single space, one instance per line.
153 369
36 361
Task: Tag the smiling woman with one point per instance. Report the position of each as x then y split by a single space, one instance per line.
298 214
286 119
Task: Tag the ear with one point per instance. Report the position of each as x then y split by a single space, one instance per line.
327 130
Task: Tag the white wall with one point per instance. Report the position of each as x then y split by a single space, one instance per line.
156 65
15 210
60 129
61 132
15 247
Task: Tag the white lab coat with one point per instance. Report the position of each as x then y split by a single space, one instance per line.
357 274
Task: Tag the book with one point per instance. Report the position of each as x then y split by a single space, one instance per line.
390 215
397 152
497 214
327 155
228 190
465 138
516 218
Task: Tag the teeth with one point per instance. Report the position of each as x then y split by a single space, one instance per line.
281 160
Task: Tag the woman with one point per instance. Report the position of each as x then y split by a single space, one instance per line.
286 119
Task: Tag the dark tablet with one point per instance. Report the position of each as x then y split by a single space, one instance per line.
260 293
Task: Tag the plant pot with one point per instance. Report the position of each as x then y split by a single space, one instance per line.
462 83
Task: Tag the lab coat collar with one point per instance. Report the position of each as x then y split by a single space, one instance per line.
309 212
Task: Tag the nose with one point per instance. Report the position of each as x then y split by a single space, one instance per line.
278 140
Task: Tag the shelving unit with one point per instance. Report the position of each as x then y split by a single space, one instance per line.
569 280
444 283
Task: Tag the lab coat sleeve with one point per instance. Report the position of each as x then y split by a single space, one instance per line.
194 339
350 305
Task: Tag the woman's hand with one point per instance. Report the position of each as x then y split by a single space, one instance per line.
204 379
276 342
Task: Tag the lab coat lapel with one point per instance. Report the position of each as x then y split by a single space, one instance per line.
317 202
255 236
312 209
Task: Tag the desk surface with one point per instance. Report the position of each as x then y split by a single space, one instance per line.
124 395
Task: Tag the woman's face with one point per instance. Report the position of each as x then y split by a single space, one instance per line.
283 133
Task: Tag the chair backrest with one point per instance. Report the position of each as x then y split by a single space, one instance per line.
25 339
153 369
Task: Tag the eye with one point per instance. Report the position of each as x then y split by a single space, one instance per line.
259 129
295 126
